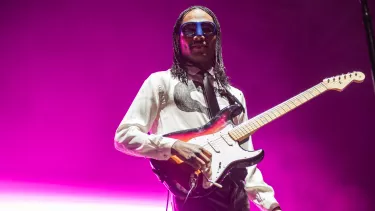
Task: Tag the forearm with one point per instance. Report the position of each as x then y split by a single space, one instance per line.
132 141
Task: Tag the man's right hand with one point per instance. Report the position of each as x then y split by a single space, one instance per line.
194 155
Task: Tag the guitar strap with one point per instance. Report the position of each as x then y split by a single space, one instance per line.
209 93
211 99
232 100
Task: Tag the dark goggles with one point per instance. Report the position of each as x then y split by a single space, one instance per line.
191 29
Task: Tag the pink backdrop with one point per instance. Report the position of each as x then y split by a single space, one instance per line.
70 69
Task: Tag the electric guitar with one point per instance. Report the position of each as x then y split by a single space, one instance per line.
222 138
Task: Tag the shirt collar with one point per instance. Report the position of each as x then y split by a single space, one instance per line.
194 70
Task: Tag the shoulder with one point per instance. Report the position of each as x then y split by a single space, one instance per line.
236 92
158 78
160 81
160 75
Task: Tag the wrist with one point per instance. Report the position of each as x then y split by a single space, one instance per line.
174 146
278 208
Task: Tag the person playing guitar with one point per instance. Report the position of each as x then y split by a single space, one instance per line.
186 96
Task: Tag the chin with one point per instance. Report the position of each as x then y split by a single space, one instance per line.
200 58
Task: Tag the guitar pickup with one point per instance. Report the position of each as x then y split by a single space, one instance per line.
216 149
228 140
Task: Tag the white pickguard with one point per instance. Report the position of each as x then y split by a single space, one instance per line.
224 151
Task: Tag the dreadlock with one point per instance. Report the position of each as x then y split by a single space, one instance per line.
177 66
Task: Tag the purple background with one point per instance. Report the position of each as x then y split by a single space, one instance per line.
70 69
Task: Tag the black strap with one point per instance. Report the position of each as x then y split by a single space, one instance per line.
210 95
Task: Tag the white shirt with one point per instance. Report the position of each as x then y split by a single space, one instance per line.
163 105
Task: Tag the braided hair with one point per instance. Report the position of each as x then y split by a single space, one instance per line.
177 68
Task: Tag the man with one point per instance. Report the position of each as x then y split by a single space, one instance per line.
175 100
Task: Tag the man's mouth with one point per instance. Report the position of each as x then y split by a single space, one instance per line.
198 45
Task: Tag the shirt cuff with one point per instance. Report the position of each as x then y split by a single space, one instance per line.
270 206
274 205
266 202
165 146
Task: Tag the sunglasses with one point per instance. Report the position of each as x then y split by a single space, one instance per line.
191 29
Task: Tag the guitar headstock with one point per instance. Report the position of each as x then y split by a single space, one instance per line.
339 82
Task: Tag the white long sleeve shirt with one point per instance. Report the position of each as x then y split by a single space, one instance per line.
163 105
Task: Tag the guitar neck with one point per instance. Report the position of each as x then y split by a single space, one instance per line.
248 127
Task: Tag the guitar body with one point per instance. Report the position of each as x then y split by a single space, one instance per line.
180 178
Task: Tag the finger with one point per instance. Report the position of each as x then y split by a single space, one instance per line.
195 162
206 152
200 162
204 157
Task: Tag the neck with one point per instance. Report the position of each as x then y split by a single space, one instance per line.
201 66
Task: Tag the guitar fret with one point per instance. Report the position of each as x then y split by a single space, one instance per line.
269 118
293 103
274 111
241 134
316 89
311 92
290 106
286 109
322 87
250 127
303 94
278 113
299 100
306 95
241 130
280 107
264 118
259 123
256 125
303 98
308 92
244 130
282 111
236 133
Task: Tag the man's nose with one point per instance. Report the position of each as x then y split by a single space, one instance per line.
199 38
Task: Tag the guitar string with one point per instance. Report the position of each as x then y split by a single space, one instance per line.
214 143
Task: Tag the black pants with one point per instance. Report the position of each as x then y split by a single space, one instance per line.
232 197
